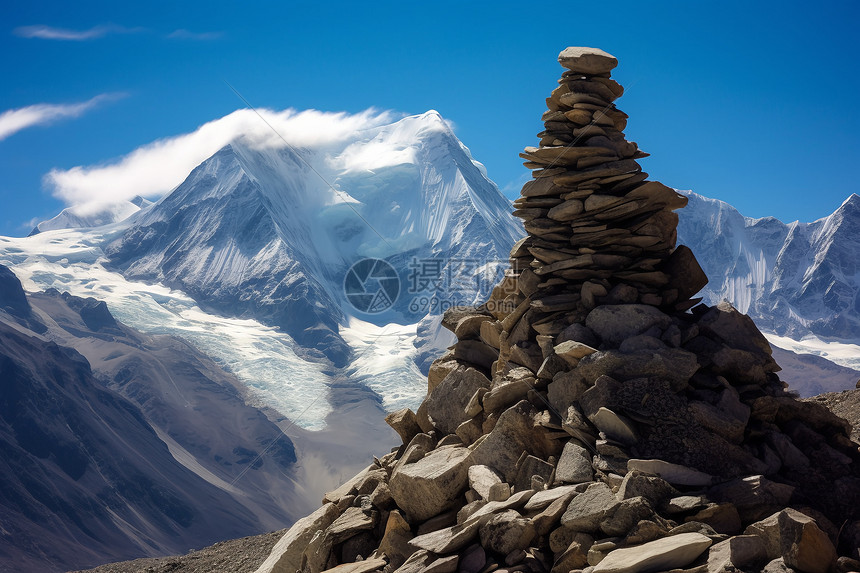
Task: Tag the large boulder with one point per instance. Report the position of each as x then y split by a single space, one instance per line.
431 485
446 404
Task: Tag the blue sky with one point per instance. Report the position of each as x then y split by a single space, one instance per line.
754 103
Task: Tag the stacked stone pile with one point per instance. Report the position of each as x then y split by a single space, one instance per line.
593 223
591 416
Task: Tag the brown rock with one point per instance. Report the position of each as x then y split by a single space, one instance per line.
587 60
404 423
803 545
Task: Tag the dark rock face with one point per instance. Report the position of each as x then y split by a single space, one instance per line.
13 300
60 434
12 297
92 430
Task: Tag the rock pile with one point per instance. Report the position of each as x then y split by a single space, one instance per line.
592 416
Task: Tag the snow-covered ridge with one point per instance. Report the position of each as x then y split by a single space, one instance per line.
93 215
246 258
796 280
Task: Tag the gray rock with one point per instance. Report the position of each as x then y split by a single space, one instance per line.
735 553
684 503
672 552
722 517
547 519
700 528
286 555
439 369
575 556
614 426
578 332
789 454
543 499
351 522
348 486
416 563
365 566
672 473
777 566
499 492
514 433
404 423
755 496
574 465
589 508
437 522
642 343
655 489
717 421
530 467
446 404
432 484
482 478
449 539
507 392
735 329
442 565
628 513
565 389
673 365
572 351
470 430
615 323
507 531
768 530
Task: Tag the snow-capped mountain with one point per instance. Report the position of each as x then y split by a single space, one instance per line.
270 232
248 260
794 280
78 217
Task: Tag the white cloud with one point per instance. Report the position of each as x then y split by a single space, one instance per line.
14 120
183 34
52 33
158 167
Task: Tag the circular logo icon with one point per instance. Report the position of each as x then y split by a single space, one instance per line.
371 285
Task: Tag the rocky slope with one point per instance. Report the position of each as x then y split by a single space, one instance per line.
591 415
102 462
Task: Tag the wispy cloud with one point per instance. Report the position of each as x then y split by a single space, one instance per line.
66 34
158 167
14 120
183 34
512 188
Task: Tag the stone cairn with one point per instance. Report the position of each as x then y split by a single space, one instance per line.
592 416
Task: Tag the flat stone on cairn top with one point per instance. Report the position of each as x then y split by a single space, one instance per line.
587 60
